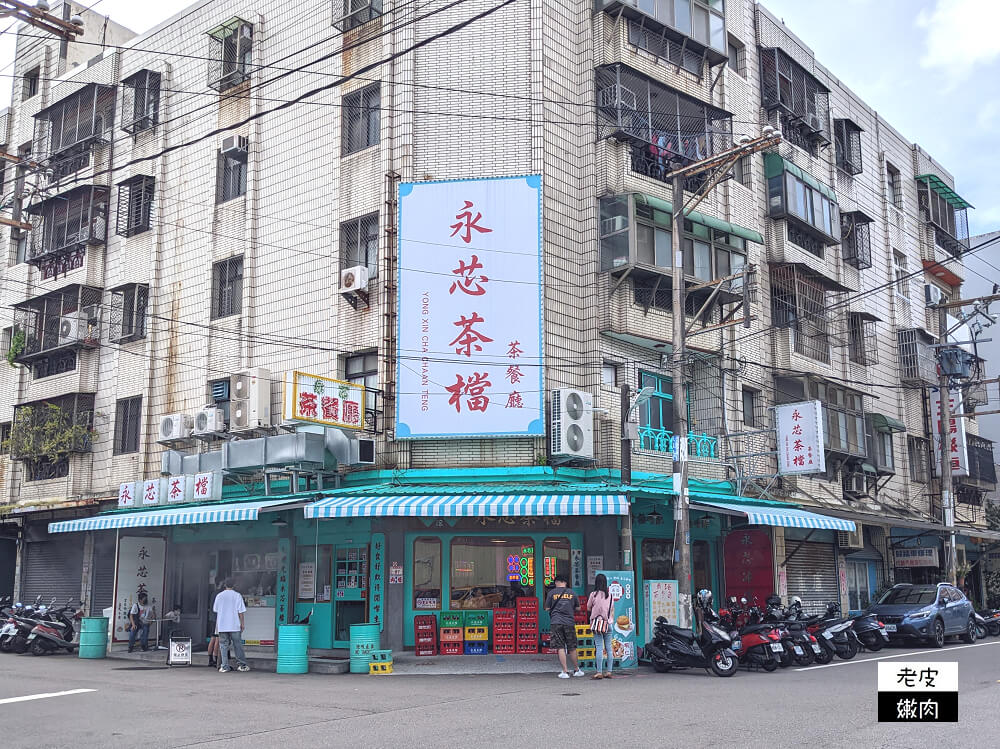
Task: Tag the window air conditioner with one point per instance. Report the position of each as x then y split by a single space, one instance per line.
353 279
851 539
236 146
932 293
572 424
174 427
209 420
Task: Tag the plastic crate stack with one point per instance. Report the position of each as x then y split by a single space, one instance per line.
452 634
381 662
547 644
586 654
527 625
504 631
425 634
477 633
580 616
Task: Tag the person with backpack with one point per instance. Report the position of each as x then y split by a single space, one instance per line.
601 609
139 617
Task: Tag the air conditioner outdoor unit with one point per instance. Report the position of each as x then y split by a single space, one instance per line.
932 293
855 484
250 407
851 539
174 427
815 123
572 424
613 224
353 279
209 420
80 326
235 146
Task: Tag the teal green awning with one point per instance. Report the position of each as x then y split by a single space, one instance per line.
701 218
939 186
775 165
883 423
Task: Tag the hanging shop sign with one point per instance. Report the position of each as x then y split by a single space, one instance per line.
958 452
127 493
469 343
315 399
152 492
140 570
199 487
800 437
922 557
376 604
621 586
660 598
207 487
179 489
283 569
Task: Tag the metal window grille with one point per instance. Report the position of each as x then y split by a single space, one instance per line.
951 225
918 450
799 236
798 302
230 49
361 121
894 185
29 83
349 14
982 466
73 409
362 369
787 85
75 123
58 362
67 223
856 239
232 176
847 138
135 203
862 344
140 101
66 318
917 363
743 172
128 313
359 243
227 287
658 44
737 57
128 418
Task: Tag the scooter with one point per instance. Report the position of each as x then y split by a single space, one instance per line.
835 634
51 636
991 617
870 631
980 624
797 641
20 624
754 644
676 647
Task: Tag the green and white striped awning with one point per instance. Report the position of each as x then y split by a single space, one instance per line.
214 513
782 516
468 505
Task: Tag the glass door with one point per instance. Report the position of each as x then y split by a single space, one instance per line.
350 585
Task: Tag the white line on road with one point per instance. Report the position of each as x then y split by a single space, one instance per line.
45 696
933 651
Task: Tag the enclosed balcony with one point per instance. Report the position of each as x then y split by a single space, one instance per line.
917 363
801 98
799 302
59 322
664 128
697 25
45 433
65 226
946 211
68 128
809 205
856 239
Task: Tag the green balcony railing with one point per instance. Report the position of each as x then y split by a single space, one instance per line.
658 440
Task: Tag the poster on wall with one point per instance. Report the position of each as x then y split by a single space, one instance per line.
307 580
621 586
660 598
140 570
800 437
594 563
376 606
958 451
469 342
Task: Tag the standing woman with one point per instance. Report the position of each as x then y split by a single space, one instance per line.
600 607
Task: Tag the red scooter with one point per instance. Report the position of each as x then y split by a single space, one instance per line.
754 644
52 636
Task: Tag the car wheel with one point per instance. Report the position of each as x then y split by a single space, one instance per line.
969 636
937 638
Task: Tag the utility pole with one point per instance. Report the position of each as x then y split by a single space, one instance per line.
626 477
947 495
39 17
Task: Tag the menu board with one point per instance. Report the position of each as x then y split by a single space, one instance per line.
621 586
660 598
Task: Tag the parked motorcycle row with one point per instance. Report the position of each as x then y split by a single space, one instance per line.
38 628
772 637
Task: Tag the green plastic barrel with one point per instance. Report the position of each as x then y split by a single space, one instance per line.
94 637
293 648
364 639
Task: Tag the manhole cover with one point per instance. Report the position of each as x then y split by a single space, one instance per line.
139 668
570 694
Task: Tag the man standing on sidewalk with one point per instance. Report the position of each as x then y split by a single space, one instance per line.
561 603
229 609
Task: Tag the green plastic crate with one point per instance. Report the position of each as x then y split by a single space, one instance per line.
477 618
381 656
451 619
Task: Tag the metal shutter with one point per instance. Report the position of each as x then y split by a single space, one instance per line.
53 568
812 575
103 591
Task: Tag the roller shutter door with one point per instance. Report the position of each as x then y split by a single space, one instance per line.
53 568
103 590
812 575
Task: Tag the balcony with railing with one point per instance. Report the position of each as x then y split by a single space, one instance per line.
697 26
45 434
59 322
946 212
66 130
790 88
64 226
701 446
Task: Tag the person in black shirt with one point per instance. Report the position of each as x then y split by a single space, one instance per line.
561 603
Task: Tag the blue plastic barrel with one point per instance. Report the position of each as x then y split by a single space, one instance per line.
293 648
364 639
94 637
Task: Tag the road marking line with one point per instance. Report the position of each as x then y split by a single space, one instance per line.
932 651
45 696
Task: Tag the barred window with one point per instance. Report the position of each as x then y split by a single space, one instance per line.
359 243
128 418
862 340
135 203
232 175
361 119
141 101
894 184
349 14
230 50
919 452
227 287
128 313
737 56
847 137
742 172
29 86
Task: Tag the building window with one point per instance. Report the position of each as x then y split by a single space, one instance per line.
135 204
66 225
665 48
843 418
20 250
751 398
479 570
894 185
657 559
230 48
359 243
5 431
737 57
349 14
800 98
227 287
141 105
862 340
656 415
798 302
362 369
29 86
856 239
847 137
427 574
742 172
231 181
360 120
918 452
900 275
128 313
128 418
609 374
5 339
800 197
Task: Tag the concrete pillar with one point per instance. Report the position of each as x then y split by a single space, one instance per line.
87 577
395 603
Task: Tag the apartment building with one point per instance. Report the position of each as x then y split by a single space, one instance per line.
228 199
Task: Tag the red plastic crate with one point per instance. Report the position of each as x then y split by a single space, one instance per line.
452 634
504 637
452 648
527 603
424 623
548 650
504 615
501 648
531 629
426 639
500 628
525 637
425 651
524 649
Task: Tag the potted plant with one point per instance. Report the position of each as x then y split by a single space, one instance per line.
17 341
960 572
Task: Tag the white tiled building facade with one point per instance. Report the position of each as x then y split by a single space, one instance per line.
520 88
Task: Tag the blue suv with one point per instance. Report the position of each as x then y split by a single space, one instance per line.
926 612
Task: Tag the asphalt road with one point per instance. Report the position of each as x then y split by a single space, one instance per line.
143 706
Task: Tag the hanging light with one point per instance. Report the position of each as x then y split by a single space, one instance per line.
279 523
655 517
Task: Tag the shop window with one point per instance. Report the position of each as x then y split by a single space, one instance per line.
426 574
858 591
313 580
701 566
657 559
489 571
555 561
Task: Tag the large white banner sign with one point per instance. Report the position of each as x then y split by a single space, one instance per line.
469 344
958 451
800 438
140 570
